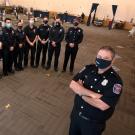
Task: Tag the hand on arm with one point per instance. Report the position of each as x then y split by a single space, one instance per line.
96 103
0 45
78 88
71 45
11 48
35 40
53 44
30 43
39 39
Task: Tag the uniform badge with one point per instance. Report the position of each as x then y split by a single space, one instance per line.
104 82
60 30
79 30
117 88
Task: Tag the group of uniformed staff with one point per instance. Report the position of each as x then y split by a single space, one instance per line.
97 86
15 45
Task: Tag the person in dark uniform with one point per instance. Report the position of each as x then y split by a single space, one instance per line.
43 38
31 38
55 38
73 38
19 47
1 33
98 89
8 40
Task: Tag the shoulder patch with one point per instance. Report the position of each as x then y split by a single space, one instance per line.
117 88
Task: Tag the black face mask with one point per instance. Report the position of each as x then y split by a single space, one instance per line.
57 24
76 23
20 27
45 22
102 64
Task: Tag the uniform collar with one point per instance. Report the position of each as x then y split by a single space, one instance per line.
106 73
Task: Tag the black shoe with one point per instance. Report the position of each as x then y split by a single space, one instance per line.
5 74
36 66
56 69
0 76
33 66
47 68
21 68
25 66
11 72
43 66
63 71
71 73
17 69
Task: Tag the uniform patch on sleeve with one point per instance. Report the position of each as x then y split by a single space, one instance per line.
82 69
117 88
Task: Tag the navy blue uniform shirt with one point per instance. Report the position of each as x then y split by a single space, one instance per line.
8 38
31 33
20 37
43 31
74 35
109 84
56 34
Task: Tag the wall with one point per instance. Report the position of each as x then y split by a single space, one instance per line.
125 8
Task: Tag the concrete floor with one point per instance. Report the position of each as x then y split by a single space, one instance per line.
41 101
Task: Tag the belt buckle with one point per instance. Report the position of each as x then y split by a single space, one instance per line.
83 117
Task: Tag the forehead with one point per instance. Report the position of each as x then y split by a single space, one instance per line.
45 18
57 20
32 18
19 23
8 21
105 53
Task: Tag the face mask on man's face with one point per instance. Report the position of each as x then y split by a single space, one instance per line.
20 27
8 25
102 64
76 23
45 21
58 24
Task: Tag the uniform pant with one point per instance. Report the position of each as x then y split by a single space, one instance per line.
0 53
41 48
70 53
51 51
18 57
27 47
7 60
80 126
0 62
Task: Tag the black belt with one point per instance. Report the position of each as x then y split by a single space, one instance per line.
89 119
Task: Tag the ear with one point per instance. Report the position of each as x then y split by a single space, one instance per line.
113 60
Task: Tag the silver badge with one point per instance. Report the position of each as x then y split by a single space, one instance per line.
104 82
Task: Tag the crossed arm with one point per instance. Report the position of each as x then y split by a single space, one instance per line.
31 43
88 96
